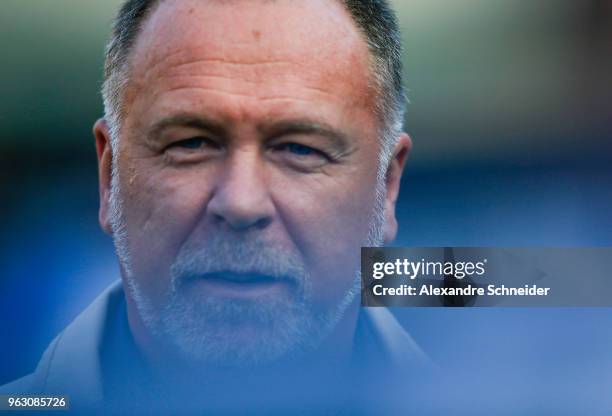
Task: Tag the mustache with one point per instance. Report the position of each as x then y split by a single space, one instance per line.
238 254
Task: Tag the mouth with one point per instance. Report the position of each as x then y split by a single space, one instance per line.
241 285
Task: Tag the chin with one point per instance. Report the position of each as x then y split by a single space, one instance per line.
237 332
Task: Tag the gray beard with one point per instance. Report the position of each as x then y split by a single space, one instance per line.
206 331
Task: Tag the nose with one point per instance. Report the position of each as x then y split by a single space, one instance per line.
241 198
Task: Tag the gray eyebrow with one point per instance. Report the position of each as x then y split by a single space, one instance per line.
185 120
270 131
306 126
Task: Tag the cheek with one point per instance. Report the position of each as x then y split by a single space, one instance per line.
329 220
161 208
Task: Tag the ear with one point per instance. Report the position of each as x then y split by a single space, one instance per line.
393 179
103 150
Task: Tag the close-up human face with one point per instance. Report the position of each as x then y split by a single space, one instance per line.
246 176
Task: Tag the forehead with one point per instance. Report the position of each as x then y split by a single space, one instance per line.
271 45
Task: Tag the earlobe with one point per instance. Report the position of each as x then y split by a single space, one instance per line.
393 179
104 153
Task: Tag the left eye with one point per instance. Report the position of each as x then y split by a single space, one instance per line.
196 143
192 143
299 149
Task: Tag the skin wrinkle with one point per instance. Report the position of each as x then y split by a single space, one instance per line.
234 116
152 71
327 167
339 152
355 37
190 87
270 132
254 82
319 217
257 79
371 83
335 143
169 61
224 61
143 189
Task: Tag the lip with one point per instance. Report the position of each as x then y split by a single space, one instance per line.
240 285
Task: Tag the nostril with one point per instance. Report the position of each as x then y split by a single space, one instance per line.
262 223
217 219
241 222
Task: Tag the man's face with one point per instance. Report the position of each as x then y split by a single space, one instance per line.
246 174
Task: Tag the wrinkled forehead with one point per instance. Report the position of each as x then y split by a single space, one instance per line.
252 38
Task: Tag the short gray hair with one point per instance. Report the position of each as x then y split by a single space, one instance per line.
374 18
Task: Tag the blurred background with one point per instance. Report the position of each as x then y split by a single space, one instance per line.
511 117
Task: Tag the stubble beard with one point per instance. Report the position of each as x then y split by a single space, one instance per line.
206 331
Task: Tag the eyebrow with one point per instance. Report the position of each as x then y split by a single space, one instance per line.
272 130
185 120
309 127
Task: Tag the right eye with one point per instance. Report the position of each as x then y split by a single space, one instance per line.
194 143
193 149
191 143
